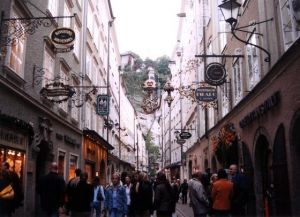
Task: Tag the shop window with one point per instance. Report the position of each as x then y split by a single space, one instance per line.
64 79
67 12
237 81
15 53
225 99
77 41
61 163
88 70
14 158
290 19
90 19
53 7
73 165
253 62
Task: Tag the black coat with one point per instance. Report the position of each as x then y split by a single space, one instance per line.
164 199
82 197
52 192
142 199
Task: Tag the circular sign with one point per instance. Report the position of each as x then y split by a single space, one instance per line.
63 36
215 74
206 94
185 135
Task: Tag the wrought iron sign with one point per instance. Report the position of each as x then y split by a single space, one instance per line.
102 105
15 29
63 39
57 91
215 74
185 135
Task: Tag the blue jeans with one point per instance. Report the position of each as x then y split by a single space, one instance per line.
97 207
115 213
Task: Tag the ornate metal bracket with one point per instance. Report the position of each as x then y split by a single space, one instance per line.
14 29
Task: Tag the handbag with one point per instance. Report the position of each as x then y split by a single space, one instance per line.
99 194
7 193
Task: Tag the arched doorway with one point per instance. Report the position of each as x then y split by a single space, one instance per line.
262 175
281 196
295 162
247 167
214 167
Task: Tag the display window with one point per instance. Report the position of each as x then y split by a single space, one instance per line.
61 163
90 170
73 165
15 159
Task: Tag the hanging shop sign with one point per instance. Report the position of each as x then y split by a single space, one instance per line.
185 135
57 92
102 105
180 141
63 38
206 94
215 74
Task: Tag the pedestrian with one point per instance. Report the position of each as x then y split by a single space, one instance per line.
184 190
144 196
164 200
51 188
175 188
128 189
198 197
15 181
222 192
6 194
115 198
98 197
240 191
82 198
70 189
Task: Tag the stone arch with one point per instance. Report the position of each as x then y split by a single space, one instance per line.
281 196
295 162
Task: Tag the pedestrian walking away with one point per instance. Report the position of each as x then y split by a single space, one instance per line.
198 197
184 190
98 197
52 192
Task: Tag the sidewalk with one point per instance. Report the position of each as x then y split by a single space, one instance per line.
184 210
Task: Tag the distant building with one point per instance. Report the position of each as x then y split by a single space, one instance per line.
127 60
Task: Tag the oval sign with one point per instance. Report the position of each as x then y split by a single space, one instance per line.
206 94
215 74
63 36
185 135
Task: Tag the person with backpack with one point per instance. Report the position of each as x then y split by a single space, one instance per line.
98 197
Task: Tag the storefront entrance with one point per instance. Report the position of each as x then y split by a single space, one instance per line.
262 176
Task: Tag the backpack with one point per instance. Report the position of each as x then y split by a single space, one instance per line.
99 194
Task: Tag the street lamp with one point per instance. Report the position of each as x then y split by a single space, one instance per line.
230 11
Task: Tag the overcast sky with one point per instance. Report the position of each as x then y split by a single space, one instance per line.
146 27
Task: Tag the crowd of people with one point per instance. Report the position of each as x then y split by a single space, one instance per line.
135 195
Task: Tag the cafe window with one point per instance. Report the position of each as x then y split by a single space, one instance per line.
14 158
73 165
253 62
237 80
61 163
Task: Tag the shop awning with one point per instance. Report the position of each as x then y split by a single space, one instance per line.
97 138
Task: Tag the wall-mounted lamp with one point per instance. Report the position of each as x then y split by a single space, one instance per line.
230 10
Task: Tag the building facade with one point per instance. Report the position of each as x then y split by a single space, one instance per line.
255 122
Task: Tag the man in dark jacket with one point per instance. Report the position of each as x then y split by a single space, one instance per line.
184 190
52 192
83 197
